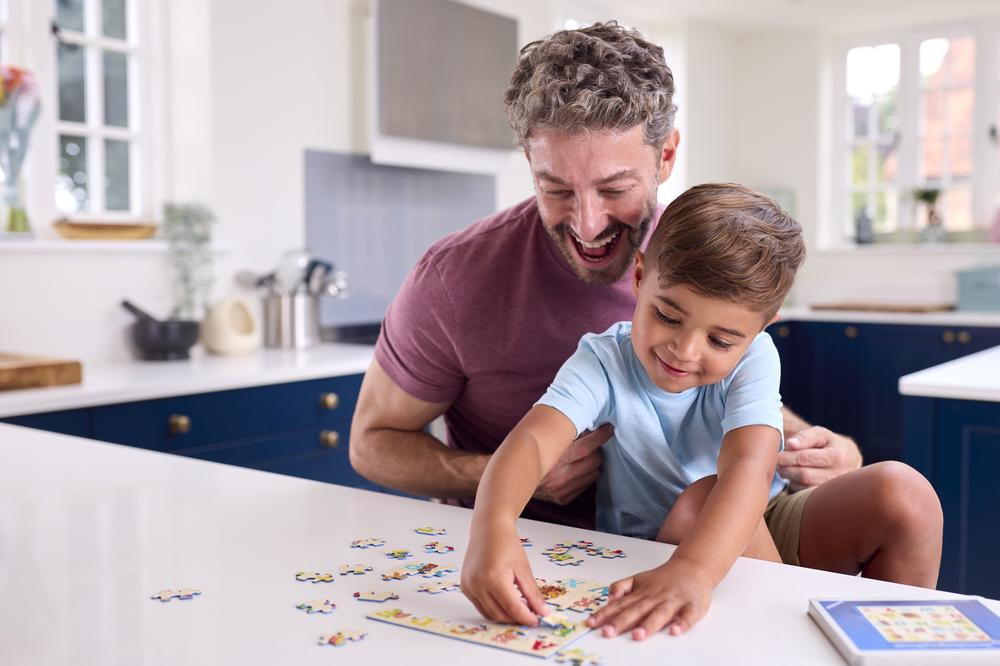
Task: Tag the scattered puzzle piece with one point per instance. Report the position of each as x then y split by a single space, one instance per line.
608 553
368 543
437 571
397 554
317 606
526 542
431 531
438 547
183 594
379 597
577 657
425 569
566 559
438 586
341 637
315 577
356 569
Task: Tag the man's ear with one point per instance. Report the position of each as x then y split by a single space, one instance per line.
668 155
637 274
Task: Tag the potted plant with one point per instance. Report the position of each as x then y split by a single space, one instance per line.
935 224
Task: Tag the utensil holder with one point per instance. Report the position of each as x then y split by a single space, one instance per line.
291 321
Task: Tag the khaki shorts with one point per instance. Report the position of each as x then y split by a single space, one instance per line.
783 516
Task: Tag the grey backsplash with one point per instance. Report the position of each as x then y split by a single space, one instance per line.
375 221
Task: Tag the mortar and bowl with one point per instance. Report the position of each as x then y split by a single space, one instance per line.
162 339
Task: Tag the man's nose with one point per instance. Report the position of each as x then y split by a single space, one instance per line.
591 219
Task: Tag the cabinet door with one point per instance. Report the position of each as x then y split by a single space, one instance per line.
966 468
964 340
840 377
794 343
67 422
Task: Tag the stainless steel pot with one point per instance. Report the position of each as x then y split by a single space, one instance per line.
291 321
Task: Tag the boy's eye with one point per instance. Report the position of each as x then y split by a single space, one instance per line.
670 321
720 344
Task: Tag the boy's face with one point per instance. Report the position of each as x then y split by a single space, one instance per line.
684 339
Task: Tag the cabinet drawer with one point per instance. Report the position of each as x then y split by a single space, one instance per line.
258 450
183 422
68 422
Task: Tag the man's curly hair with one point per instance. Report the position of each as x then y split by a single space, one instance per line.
602 77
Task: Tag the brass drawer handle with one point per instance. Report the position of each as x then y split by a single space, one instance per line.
329 439
783 331
964 337
329 400
948 336
851 331
179 424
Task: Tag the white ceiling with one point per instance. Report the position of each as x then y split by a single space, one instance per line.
827 15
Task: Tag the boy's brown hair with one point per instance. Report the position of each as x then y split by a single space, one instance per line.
726 241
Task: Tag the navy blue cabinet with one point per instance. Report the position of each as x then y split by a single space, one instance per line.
66 422
956 445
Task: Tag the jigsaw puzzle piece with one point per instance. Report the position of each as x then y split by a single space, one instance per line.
315 577
577 657
379 597
397 554
431 531
342 637
438 547
367 543
317 606
183 594
438 586
356 569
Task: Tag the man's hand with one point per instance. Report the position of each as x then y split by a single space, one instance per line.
815 455
576 469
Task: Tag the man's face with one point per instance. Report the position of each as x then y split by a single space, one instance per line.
597 195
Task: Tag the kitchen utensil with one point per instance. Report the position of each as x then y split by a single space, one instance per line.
316 275
230 328
158 340
336 285
292 270
291 320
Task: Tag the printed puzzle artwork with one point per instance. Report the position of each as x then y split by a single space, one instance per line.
378 597
315 577
341 637
431 531
425 569
923 624
438 547
438 586
356 569
556 633
573 594
183 594
561 551
577 657
317 606
562 556
397 554
367 543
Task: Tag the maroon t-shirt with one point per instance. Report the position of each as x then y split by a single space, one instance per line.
484 321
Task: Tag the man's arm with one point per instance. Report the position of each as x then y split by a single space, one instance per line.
389 446
813 454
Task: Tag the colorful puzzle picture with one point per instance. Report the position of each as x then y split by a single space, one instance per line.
573 594
923 624
555 633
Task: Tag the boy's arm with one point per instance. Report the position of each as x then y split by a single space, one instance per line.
678 592
495 561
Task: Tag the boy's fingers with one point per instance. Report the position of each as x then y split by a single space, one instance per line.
621 587
526 583
513 608
654 621
628 617
684 619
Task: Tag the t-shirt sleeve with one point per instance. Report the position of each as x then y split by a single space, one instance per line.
752 396
581 389
416 346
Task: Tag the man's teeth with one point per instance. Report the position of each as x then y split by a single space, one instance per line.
596 244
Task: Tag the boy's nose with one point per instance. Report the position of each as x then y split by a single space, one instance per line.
684 348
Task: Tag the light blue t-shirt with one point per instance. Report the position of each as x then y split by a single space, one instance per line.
663 441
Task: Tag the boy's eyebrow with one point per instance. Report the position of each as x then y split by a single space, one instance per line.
672 303
618 175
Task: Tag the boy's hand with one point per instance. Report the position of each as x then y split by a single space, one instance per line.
496 573
673 595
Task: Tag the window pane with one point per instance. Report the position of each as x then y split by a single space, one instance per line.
933 121
859 165
859 118
961 103
886 163
115 89
944 61
859 205
117 195
872 70
72 83
888 120
957 208
886 211
932 161
72 185
113 18
69 14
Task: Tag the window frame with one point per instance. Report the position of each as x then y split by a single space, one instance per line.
985 114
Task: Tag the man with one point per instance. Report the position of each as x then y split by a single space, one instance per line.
488 315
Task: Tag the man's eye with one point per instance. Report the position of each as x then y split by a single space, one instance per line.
720 344
665 319
612 193
557 194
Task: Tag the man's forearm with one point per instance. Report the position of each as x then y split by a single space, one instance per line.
417 463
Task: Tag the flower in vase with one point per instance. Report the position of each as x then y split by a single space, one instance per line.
18 113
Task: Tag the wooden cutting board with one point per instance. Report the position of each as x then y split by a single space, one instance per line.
17 372
886 307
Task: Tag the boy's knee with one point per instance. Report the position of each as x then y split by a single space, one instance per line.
684 513
906 501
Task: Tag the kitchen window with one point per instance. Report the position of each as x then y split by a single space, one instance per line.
916 122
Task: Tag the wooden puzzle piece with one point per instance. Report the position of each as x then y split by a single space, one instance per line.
577 657
368 543
341 637
317 606
315 577
183 594
356 569
566 559
575 594
438 547
438 586
431 531
607 553
437 571
398 554
379 597
526 542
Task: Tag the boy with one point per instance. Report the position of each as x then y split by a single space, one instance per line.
691 387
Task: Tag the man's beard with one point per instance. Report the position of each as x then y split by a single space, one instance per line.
631 237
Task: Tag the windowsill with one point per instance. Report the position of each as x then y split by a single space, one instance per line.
57 246
921 249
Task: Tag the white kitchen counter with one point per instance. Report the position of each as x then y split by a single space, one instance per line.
955 318
972 377
147 380
88 531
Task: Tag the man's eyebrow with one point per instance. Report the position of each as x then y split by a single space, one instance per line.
545 175
618 175
672 303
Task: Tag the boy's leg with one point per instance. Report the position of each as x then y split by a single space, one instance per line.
681 519
883 520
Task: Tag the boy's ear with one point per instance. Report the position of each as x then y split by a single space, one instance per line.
637 274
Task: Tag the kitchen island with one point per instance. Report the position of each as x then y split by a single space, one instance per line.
89 530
